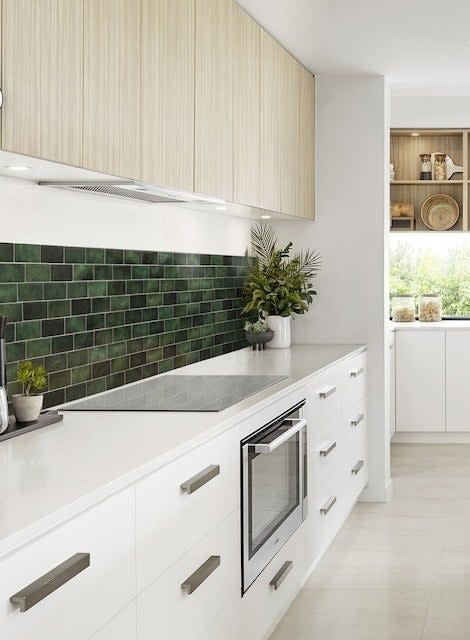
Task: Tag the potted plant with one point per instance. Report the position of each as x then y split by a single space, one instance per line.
27 405
278 284
258 334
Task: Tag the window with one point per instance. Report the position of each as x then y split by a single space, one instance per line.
432 263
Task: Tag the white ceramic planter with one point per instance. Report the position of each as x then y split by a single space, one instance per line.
282 332
27 408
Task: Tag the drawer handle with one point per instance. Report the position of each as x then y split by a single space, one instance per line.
357 420
200 575
357 467
325 452
200 479
49 582
357 372
326 393
281 575
328 505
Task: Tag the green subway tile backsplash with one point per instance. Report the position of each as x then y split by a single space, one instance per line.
101 318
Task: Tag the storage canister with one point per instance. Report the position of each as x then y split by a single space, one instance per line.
430 307
425 166
440 167
403 308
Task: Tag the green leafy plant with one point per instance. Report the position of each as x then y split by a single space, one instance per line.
257 327
278 283
33 377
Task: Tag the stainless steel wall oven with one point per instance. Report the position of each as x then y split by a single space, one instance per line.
274 489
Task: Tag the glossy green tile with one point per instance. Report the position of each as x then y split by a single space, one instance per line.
8 292
95 256
12 272
6 252
27 253
40 347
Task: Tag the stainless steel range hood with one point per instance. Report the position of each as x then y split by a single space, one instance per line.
127 189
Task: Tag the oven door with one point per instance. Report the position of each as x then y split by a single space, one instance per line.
273 492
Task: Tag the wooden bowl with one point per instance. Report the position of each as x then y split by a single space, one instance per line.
440 212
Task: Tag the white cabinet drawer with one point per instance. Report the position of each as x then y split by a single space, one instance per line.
165 610
354 380
322 407
262 605
325 460
87 601
170 520
121 627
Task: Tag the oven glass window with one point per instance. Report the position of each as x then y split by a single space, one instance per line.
273 490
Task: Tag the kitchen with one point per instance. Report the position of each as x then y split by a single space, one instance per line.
142 143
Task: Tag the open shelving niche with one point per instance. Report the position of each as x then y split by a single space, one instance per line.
405 150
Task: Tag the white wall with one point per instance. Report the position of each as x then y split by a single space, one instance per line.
351 233
430 111
33 214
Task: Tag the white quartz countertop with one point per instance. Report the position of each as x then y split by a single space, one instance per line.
51 474
447 325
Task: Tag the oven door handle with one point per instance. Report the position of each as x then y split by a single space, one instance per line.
269 447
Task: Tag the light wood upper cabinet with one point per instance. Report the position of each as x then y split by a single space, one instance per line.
167 108
213 99
270 118
246 108
306 182
111 127
42 65
289 132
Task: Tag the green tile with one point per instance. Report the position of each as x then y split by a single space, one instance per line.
28 330
27 253
56 362
77 358
117 349
77 289
114 256
132 257
95 256
133 375
30 291
75 392
120 303
55 290
103 272
96 321
120 364
96 386
97 289
81 374
83 272
115 380
82 340
150 370
122 333
150 342
165 258
58 308
133 346
166 365
6 252
104 336
8 292
12 310
16 351
167 338
149 257
36 348
96 354
38 272
75 254
12 273
154 355
75 324
59 379
151 286
140 330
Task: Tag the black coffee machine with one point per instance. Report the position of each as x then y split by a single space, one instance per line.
3 376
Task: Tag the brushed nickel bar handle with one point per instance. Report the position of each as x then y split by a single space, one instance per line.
200 479
357 372
200 575
50 582
1 98
328 505
281 575
326 393
357 467
357 420
325 452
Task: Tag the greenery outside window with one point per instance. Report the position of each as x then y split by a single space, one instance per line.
437 263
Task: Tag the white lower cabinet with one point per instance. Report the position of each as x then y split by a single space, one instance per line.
187 597
83 604
420 380
121 627
457 370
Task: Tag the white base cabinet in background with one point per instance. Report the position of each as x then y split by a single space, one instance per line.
457 376
420 380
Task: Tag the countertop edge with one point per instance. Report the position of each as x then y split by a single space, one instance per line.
47 523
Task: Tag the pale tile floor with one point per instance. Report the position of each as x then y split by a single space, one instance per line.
397 571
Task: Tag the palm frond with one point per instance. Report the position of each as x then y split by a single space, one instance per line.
309 262
263 243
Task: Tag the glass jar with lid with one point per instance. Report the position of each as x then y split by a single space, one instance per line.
403 308
440 167
430 307
425 166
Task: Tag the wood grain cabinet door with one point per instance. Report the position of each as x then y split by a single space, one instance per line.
213 99
42 64
246 106
167 92
306 182
289 132
111 125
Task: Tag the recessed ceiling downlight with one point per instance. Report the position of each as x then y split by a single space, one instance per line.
415 134
265 217
17 167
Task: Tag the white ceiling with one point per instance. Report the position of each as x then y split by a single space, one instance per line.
422 45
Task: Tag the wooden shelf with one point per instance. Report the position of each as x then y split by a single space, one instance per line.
427 182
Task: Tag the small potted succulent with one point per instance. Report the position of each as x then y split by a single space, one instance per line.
258 334
27 405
